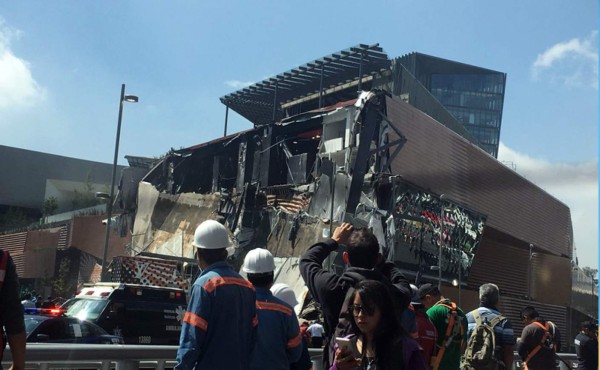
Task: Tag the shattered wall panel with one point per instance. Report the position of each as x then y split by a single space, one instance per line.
438 159
40 253
142 227
310 231
163 217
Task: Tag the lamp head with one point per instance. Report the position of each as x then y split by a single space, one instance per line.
131 98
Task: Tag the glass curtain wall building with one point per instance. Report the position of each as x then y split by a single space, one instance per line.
473 95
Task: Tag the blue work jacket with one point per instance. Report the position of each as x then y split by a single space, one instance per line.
219 326
279 341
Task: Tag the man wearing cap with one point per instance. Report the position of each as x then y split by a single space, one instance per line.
219 326
279 342
586 345
451 324
426 332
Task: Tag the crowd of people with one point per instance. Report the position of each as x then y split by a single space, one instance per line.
373 318
32 300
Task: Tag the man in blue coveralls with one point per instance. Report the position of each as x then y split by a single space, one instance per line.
279 341
219 326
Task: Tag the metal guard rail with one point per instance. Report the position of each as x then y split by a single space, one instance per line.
131 356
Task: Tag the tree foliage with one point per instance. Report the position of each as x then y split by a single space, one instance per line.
49 206
14 218
63 285
85 197
591 272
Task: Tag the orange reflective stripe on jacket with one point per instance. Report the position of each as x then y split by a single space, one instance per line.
294 342
212 284
262 305
197 321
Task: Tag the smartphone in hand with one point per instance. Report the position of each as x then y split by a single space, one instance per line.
349 345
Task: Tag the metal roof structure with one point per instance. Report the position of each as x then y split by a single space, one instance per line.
261 102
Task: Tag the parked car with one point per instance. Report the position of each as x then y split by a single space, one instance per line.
51 326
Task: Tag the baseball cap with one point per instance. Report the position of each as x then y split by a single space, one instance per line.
426 289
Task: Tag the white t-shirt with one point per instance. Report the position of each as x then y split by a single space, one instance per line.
316 330
27 304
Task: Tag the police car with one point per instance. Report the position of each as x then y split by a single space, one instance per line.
138 313
51 326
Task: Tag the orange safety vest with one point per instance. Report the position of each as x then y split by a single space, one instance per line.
546 329
449 328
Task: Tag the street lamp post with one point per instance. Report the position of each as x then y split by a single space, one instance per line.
130 99
530 271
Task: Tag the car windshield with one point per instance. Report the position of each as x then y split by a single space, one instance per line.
86 309
32 322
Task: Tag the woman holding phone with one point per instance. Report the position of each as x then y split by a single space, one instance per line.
378 342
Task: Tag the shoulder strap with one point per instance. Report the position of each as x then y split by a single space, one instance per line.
477 317
449 328
346 302
539 346
451 306
497 320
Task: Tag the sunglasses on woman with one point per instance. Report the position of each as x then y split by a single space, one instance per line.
356 309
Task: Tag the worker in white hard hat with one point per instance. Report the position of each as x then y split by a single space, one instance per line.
219 326
286 294
279 342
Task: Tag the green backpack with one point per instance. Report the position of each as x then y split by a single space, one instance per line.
480 353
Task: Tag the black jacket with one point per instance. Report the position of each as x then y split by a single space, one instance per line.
11 309
329 289
587 352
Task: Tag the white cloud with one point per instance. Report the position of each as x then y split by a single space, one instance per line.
576 185
574 62
18 88
237 84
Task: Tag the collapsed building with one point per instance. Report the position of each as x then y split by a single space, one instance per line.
356 137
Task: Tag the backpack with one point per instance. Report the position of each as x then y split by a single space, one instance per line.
344 326
549 338
480 353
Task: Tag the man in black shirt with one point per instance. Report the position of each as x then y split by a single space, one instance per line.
586 345
364 261
540 340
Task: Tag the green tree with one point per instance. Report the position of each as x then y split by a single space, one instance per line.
85 197
49 206
14 218
591 272
63 285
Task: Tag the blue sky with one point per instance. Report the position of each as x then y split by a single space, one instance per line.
62 64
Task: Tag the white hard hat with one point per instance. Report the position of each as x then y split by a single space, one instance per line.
210 234
258 261
285 293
